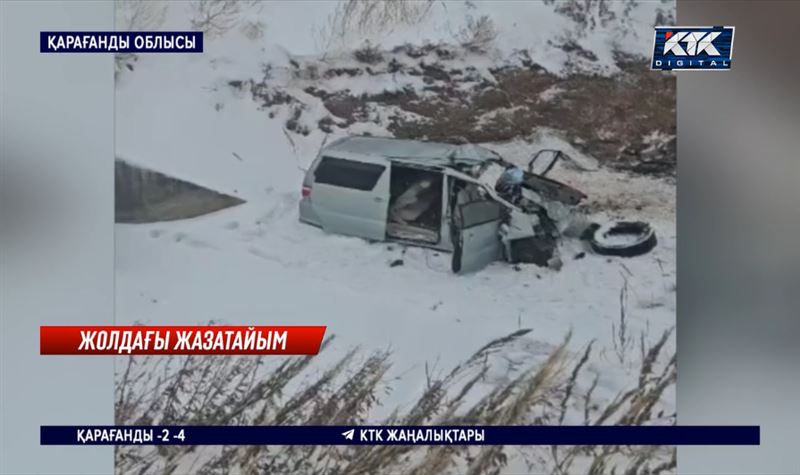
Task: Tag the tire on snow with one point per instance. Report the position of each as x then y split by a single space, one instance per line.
643 239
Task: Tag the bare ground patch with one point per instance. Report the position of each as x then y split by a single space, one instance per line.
626 120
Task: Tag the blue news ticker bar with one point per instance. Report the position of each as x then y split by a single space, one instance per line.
338 435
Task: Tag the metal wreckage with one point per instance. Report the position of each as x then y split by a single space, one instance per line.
463 199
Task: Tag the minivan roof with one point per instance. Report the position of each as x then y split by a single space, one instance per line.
429 152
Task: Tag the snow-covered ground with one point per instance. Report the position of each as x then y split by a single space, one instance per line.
256 264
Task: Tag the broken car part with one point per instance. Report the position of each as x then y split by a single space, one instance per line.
623 238
544 161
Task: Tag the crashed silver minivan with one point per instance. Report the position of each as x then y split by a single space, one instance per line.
437 195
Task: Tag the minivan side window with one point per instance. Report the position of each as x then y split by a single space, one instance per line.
348 173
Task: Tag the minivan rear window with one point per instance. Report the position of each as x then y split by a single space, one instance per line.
348 173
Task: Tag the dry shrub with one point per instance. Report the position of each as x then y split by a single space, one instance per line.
217 17
368 53
253 29
136 15
665 16
358 17
478 34
139 15
591 14
375 15
212 390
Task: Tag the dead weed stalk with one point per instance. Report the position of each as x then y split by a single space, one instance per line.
210 390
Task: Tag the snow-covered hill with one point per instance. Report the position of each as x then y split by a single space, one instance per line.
256 264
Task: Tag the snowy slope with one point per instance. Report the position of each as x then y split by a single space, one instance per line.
256 264
168 97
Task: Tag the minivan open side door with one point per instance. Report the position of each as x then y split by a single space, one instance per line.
351 196
475 234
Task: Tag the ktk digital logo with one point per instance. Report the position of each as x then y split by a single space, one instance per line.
692 48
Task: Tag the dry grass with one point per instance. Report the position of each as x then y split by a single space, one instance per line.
632 407
620 335
208 390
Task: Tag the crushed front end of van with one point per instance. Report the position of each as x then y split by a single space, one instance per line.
542 211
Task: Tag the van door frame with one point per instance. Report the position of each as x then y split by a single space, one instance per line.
456 232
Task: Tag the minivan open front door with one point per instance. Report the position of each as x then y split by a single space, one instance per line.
476 239
351 197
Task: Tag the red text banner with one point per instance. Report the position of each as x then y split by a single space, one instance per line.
180 340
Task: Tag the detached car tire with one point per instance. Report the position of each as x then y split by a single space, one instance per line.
641 239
